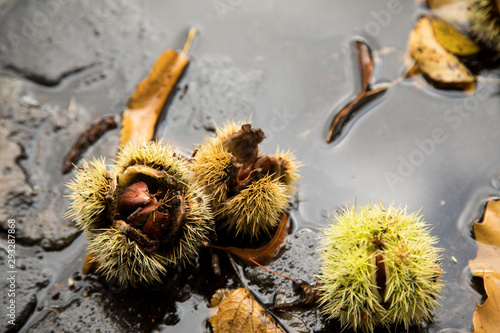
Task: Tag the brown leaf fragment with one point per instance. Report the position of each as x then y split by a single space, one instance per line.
487 234
88 138
89 264
486 318
442 68
240 312
146 104
263 254
365 59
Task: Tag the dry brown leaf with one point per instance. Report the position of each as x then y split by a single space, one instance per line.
487 235
263 254
442 68
240 312
366 68
89 265
486 318
146 104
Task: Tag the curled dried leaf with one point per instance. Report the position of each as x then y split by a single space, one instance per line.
486 318
240 312
441 67
146 104
365 59
263 254
487 235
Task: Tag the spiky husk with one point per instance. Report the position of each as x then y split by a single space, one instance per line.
121 257
199 223
210 170
153 154
88 194
231 127
410 257
119 248
484 19
256 209
211 167
290 176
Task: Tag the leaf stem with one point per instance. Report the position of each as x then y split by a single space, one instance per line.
189 41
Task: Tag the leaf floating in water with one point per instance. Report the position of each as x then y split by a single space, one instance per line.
143 109
486 318
264 254
146 104
366 67
238 311
452 39
441 67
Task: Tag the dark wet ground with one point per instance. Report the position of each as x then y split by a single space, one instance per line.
287 65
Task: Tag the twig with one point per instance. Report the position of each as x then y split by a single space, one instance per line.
88 138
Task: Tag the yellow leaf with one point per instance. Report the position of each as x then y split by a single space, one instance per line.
442 68
240 312
486 318
146 104
452 39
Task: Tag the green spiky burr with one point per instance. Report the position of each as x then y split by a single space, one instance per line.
142 217
380 268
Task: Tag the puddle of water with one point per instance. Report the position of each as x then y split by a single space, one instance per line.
289 66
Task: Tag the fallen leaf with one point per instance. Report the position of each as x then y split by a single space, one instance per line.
146 104
452 39
143 109
441 67
450 10
366 67
263 254
89 265
366 94
238 311
487 234
486 318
